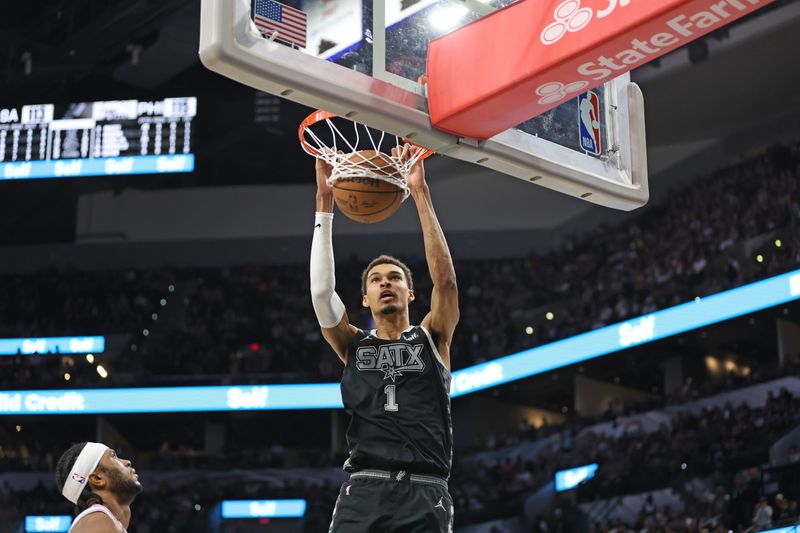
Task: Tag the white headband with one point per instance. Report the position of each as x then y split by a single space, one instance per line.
84 465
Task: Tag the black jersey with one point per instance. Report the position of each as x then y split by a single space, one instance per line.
397 393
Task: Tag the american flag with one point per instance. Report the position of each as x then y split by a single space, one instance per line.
289 23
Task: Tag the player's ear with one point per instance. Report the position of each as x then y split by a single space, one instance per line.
97 480
364 301
411 295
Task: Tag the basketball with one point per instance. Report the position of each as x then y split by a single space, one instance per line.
364 199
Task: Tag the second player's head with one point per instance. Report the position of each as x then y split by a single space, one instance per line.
89 472
387 286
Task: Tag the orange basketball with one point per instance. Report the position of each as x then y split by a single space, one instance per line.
364 199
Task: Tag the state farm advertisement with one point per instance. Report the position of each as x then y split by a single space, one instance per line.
533 55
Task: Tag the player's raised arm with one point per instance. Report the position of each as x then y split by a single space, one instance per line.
442 319
328 306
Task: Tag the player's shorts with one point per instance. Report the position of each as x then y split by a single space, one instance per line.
377 501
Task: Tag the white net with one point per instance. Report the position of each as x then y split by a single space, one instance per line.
347 161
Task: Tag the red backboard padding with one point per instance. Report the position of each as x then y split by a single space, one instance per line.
532 55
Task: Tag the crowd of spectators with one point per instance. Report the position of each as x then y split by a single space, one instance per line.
743 508
714 443
721 444
63 302
256 322
179 508
187 507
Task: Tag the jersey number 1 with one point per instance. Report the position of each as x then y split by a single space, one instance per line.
391 404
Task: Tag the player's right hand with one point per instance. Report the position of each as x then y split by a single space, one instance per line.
323 170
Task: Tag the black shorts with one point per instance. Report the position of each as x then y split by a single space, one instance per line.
387 505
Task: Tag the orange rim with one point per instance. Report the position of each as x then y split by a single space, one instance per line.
320 115
307 122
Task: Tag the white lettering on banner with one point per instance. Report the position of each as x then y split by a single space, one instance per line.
73 168
254 399
10 403
794 285
21 170
52 523
679 29
612 5
119 166
34 346
467 381
71 401
171 164
263 508
78 344
636 333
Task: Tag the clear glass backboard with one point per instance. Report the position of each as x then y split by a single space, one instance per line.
364 60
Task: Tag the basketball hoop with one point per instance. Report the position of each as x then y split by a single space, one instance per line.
351 163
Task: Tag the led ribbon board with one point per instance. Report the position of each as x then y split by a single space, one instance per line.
97 138
59 345
672 321
719 307
171 399
569 479
263 509
47 523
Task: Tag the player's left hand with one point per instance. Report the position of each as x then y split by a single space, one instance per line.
416 178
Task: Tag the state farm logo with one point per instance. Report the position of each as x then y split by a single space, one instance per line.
556 91
570 17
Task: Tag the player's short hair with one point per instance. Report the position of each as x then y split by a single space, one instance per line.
63 469
386 260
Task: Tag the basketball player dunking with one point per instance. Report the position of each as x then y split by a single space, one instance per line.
396 378
101 485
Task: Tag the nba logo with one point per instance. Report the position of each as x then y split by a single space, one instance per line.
79 478
589 122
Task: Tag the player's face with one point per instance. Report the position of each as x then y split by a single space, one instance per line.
122 477
387 290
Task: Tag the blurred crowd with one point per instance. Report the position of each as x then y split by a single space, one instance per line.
709 512
186 507
725 446
180 508
712 442
716 444
253 323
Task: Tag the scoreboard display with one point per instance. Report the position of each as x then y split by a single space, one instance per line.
97 138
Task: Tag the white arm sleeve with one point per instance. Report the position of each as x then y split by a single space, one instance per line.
327 304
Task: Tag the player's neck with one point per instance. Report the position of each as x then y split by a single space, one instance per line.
391 327
121 510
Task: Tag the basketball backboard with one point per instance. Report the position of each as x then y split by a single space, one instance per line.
363 59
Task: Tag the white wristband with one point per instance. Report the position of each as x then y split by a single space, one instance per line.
327 304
